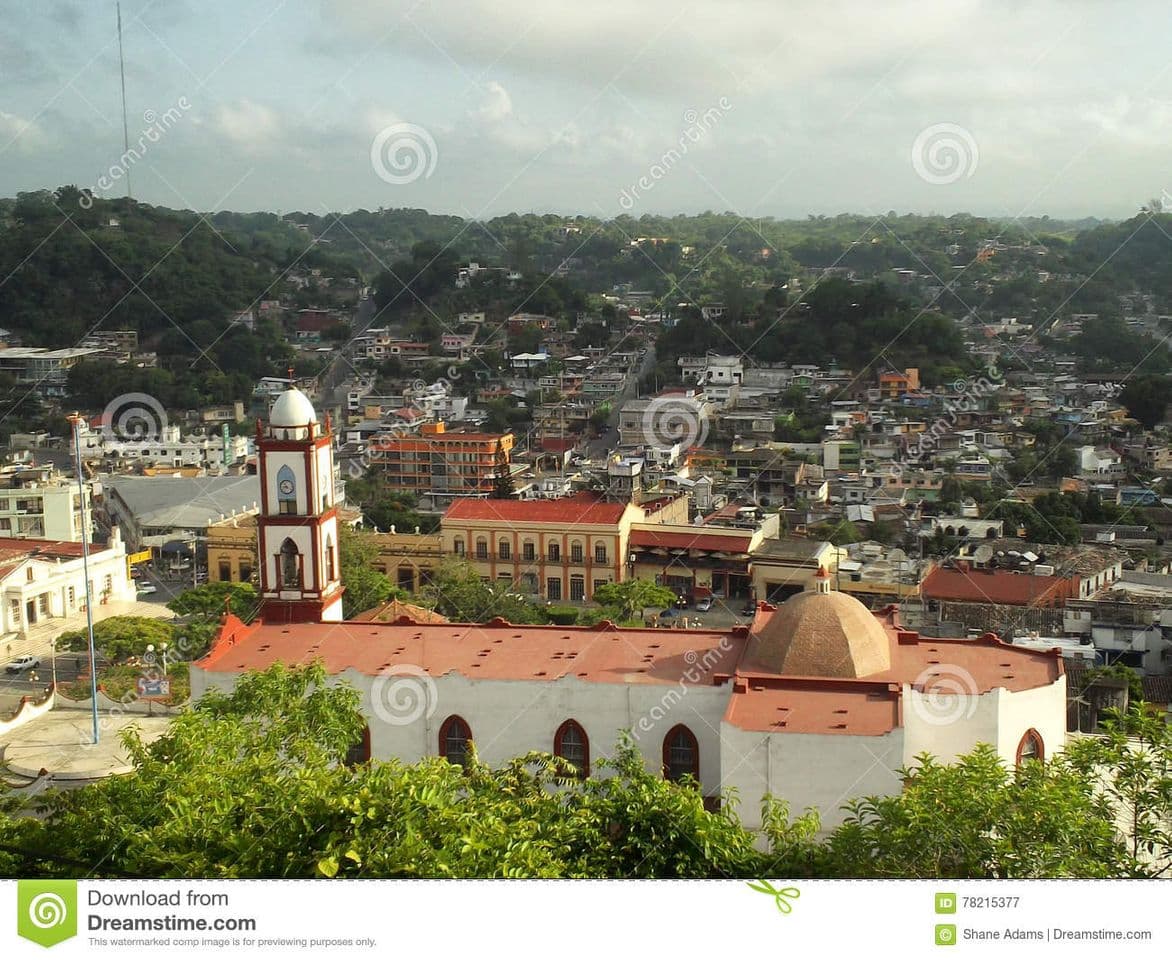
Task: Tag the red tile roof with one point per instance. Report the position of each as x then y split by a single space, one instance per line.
581 508
492 651
997 586
43 548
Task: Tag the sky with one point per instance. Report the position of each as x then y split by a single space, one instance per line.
478 108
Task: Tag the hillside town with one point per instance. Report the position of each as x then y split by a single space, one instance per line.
1022 498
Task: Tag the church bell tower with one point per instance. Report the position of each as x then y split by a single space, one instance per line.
297 531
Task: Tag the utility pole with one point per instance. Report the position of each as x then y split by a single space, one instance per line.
75 420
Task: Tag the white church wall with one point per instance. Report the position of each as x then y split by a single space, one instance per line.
509 717
822 771
324 479
1042 709
947 726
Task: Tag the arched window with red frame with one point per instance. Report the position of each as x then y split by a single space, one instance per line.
454 737
571 743
681 754
1031 747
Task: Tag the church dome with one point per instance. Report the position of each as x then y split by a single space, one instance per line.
292 409
823 634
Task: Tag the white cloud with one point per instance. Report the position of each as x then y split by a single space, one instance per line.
250 125
22 134
497 104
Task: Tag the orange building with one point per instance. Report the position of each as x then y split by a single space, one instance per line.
893 385
442 463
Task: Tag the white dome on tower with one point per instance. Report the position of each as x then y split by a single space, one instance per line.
292 409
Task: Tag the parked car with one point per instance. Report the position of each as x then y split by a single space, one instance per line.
749 609
21 664
704 604
144 589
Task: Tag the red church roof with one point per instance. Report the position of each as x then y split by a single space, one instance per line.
758 700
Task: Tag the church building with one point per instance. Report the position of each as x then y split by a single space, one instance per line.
817 701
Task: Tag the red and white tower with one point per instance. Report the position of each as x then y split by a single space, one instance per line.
297 530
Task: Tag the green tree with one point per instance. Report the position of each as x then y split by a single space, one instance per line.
457 591
253 783
976 818
1130 765
207 602
365 586
631 597
1146 398
120 638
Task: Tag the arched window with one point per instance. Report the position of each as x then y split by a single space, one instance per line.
290 565
681 754
458 546
1031 747
576 551
481 548
286 491
570 743
503 549
453 740
359 751
331 562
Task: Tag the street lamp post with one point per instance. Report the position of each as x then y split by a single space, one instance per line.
75 421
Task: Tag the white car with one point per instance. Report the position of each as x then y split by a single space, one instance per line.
144 589
704 604
21 664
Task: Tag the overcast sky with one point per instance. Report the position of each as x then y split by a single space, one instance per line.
765 107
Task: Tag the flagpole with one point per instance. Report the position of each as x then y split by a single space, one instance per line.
75 420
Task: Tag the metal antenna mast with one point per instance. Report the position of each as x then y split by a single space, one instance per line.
125 126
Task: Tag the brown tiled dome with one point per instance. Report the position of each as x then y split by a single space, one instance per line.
822 635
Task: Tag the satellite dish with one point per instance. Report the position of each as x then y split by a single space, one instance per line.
983 553
896 554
